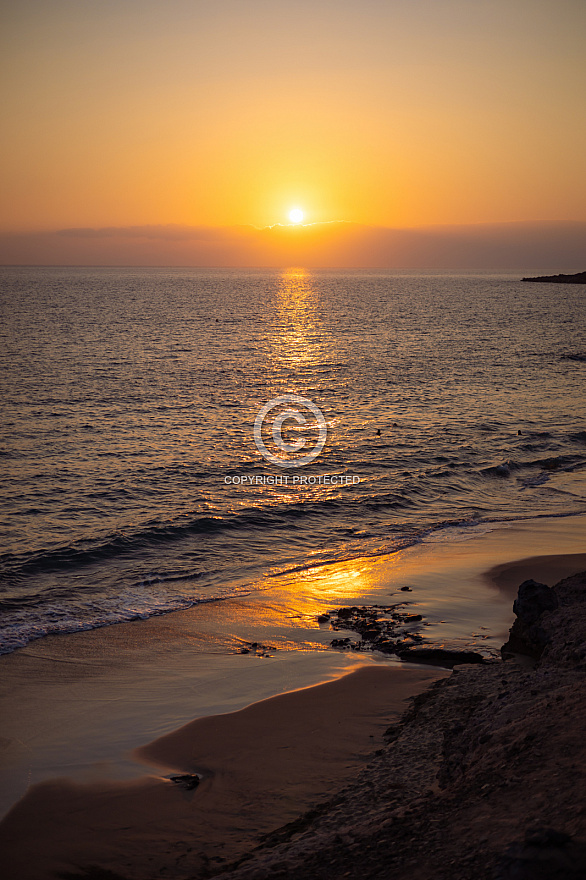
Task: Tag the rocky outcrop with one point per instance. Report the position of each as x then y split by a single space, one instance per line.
578 278
527 636
392 629
481 780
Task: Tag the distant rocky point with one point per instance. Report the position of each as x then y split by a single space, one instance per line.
578 278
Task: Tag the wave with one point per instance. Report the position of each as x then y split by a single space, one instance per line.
457 482
26 625
274 518
28 618
565 462
142 600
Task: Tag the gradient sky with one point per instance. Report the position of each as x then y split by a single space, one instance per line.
396 113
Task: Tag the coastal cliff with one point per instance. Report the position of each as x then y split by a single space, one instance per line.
479 781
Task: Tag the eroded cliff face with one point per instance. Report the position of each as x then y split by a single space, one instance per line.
482 779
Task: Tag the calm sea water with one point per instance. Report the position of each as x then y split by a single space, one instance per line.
130 396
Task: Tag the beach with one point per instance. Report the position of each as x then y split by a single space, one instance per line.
481 780
293 441
101 720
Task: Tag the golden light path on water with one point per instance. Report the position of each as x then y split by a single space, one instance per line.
300 348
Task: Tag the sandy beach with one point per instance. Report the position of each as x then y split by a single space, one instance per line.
293 403
260 768
98 721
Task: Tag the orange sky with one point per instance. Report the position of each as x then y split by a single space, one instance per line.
395 113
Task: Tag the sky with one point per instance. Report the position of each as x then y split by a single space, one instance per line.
222 114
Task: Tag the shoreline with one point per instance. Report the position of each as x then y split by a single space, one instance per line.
139 667
275 800
552 569
259 768
497 792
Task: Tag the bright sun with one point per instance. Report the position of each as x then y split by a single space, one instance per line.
295 215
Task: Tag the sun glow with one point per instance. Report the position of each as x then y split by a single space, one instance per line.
296 215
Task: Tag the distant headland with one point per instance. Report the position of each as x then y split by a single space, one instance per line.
578 278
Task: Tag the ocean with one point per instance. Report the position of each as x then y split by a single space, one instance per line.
132 484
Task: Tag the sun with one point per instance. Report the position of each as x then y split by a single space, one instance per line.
295 215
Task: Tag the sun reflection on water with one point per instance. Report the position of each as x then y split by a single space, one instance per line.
302 340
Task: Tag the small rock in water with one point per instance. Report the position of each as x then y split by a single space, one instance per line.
257 649
386 646
406 590
187 781
340 643
378 625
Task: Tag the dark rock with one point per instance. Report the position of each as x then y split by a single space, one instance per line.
257 649
406 590
546 854
440 656
370 634
526 636
187 781
533 600
393 732
520 642
323 618
539 636
546 837
345 613
577 278
386 646
376 624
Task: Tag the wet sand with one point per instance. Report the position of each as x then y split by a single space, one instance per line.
481 781
261 767
545 569
75 706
